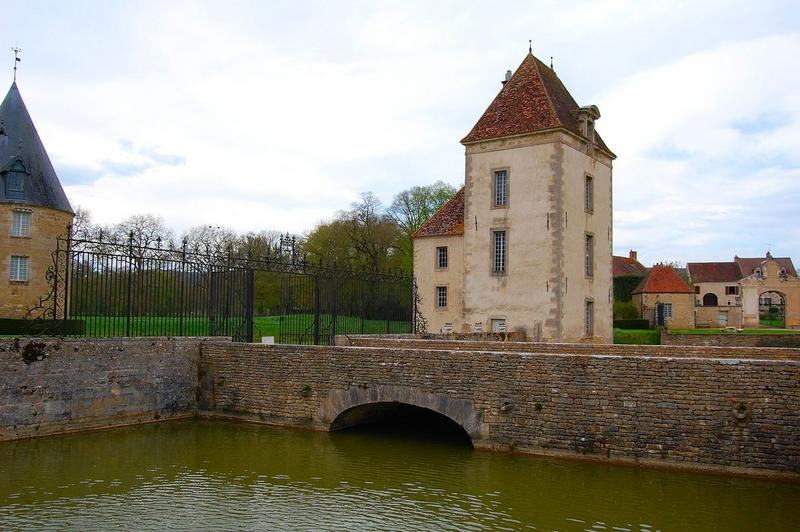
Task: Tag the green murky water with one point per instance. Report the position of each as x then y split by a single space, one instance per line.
218 475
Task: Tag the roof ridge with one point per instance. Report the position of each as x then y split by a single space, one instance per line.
546 92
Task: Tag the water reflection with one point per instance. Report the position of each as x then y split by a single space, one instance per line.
226 475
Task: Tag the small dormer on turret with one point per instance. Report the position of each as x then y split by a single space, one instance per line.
15 177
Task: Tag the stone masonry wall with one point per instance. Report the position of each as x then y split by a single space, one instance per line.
730 339
710 351
730 414
53 386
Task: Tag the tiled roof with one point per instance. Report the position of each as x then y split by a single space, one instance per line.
663 280
448 220
627 266
714 272
747 265
534 99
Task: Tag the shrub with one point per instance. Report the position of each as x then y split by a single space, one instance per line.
631 324
37 327
625 311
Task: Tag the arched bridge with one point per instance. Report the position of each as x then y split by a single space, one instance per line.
633 403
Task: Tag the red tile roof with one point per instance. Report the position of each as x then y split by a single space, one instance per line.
731 272
714 272
534 99
663 280
747 265
622 266
448 220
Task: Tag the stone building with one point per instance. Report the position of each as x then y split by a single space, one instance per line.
34 210
665 299
740 293
525 245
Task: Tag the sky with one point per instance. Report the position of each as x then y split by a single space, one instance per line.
276 115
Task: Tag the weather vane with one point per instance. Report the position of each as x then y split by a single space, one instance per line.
530 49
16 60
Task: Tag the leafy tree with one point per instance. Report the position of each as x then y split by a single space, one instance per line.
364 237
413 207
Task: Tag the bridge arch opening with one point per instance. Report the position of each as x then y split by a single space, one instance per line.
403 420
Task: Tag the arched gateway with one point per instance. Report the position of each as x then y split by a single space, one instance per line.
358 405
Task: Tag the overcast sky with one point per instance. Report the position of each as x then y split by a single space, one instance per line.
274 115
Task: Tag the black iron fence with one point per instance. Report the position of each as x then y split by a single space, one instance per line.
121 289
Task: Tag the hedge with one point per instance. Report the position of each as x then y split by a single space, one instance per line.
36 327
631 324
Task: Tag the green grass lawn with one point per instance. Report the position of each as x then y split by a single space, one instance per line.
637 336
299 327
745 331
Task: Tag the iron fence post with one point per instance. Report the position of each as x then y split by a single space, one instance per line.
249 303
334 317
388 304
67 273
129 298
316 308
181 289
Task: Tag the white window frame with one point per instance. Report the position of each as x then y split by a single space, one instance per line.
441 297
442 253
499 252
588 265
667 311
500 193
20 223
588 318
588 193
19 268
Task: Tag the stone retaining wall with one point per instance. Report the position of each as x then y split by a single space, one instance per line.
732 340
723 414
50 386
699 351
735 413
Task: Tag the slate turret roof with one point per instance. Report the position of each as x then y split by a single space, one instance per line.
534 99
19 142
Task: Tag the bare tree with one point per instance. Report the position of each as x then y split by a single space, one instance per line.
373 234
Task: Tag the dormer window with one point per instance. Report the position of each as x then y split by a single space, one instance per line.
586 117
15 178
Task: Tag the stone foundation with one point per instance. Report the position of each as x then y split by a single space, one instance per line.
694 409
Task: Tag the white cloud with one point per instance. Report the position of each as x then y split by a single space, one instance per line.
277 115
702 163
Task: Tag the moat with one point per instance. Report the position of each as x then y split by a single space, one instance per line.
222 475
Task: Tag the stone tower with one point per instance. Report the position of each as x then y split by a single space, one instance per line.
528 239
34 210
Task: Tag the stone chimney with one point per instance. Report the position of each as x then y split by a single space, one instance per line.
508 77
632 254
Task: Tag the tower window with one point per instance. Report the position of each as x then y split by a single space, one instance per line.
499 252
19 268
441 257
501 188
588 318
589 266
441 297
20 223
588 194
